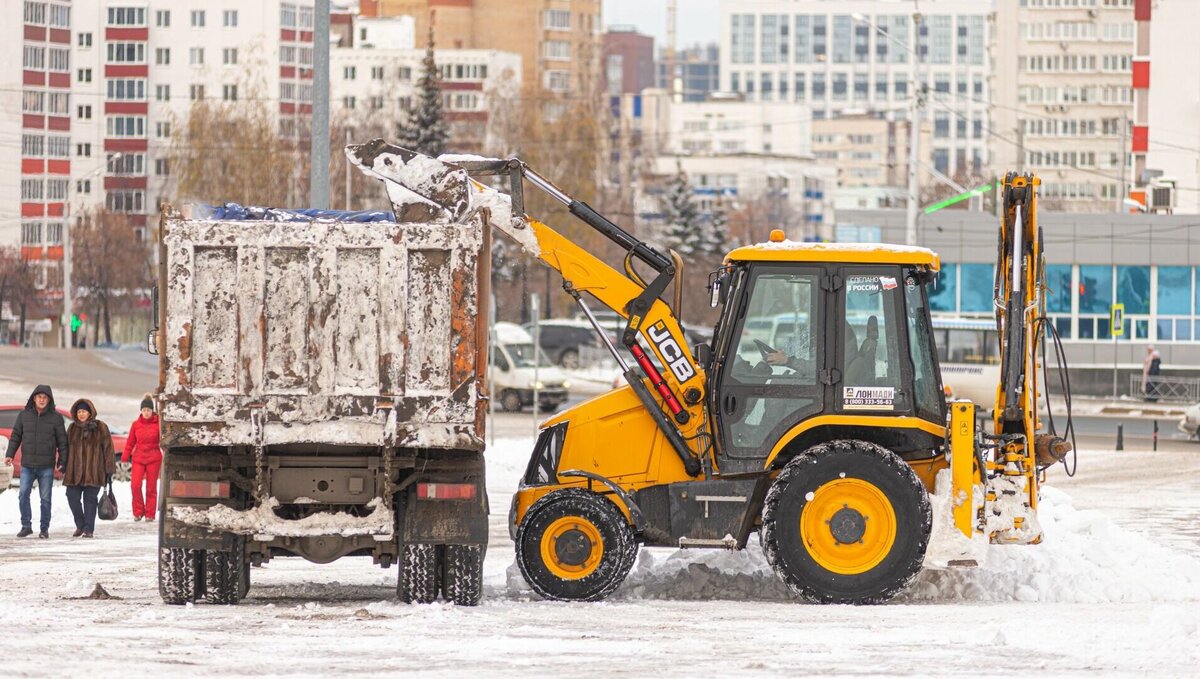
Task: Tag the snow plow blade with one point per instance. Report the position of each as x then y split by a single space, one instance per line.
421 188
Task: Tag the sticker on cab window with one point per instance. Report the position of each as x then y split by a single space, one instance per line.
888 282
868 398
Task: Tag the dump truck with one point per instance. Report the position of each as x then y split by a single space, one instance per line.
826 437
322 394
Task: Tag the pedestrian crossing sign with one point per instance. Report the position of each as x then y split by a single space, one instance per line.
1117 321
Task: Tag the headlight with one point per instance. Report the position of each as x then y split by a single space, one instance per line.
566 384
536 385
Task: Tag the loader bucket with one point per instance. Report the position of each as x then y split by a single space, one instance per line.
421 188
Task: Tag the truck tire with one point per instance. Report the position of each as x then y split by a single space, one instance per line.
224 573
462 574
417 582
575 545
245 584
510 401
846 522
177 575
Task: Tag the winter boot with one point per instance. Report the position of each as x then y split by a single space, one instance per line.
26 531
44 534
77 533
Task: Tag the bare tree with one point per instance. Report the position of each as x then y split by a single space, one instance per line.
112 264
18 285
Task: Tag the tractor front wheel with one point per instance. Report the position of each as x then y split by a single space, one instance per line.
575 545
847 522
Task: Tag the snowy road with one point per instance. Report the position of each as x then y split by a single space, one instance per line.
1098 597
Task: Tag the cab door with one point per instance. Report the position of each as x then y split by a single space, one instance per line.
770 361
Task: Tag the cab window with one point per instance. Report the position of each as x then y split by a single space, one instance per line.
926 385
871 361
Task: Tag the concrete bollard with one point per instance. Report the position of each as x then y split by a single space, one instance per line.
1120 437
1156 435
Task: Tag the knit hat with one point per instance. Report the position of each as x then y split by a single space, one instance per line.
147 403
81 404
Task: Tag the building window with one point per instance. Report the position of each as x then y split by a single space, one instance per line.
839 86
126 163
229 92
376 103
558 81
1133 289
84 112
196 92
162 92
34 58
230 17
125 201
841 39
943 294
33 102
376 73
800 89
32 145
126 89
126 52
161 169
83 150
83 186
60 60
742 38
56 190
287 16
404 73
306 17
196 56
861 85
348 102
162 130
162 18
83 75
349 72
58 147
31 189
54 232
198 18
557 50
126 16
162 55
126 126
229 56
35 13
31 233
84 39
557 20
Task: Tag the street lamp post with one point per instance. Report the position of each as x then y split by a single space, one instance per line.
914 117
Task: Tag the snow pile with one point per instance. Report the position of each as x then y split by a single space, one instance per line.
700 575
946 542
262 522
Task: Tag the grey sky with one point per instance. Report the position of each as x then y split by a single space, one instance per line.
697 19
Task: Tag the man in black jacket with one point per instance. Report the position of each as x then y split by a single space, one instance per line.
40 433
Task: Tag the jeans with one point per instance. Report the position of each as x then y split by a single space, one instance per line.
45 480
83 505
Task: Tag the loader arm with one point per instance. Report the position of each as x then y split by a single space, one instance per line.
425 188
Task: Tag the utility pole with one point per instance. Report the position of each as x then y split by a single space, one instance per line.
1124 153
318 176
914 141
68 302
347 205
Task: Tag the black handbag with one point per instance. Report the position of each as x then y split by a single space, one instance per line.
106 508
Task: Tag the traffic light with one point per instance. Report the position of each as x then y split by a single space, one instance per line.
75 322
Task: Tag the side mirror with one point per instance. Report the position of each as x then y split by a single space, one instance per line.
717 282
152 342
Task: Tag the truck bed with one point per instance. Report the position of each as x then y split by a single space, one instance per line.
322 331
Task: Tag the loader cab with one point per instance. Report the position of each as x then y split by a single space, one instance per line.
824 341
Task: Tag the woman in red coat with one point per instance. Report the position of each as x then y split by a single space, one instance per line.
141 447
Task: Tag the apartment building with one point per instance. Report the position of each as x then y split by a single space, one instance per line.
846 57
1063 98
558 40
870 154
1166 138
628 61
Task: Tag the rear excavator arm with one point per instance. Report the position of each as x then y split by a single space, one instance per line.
423 188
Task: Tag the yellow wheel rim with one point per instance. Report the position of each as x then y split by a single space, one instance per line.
572 548
848 526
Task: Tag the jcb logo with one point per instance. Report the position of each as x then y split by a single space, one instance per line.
670 351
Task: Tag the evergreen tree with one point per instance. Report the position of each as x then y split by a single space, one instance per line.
717 233
426 130
683 229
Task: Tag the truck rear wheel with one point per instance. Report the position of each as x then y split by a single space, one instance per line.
847 522
575 545
224 574
462 574
417 582
177 574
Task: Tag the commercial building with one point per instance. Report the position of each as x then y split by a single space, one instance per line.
628 61
870 154
558 40
851 56
1062 98
698 71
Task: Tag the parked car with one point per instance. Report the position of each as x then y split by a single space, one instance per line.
8 418
516 364
562 339
6 474
1190 423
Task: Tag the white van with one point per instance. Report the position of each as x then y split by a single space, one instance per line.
513 379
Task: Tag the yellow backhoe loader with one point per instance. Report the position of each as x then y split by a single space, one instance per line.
815 418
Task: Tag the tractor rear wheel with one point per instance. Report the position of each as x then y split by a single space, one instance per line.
417 582
847 522
575 545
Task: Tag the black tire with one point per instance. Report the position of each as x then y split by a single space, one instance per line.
245 584
510 401
462 574
575 513
177 575
872 569
569 359
224 574
417 582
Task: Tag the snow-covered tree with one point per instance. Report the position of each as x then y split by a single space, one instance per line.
425 130
717 231
683 228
